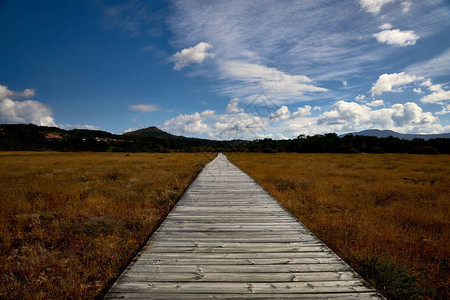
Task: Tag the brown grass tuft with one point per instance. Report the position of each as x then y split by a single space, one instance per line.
383 213
70 222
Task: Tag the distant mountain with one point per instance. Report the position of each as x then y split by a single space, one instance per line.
153 131
387 133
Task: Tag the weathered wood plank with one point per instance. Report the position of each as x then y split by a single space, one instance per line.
288 268
234 245
340 286
344 296
248 255
227 238
236 261
237 277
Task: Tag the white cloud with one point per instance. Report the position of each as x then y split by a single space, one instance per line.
28 111
385 26
145 107
302 112
426 83
130 130
233 106
196 54
280 136
360 97
189 124
392 82
406 6
411 113
344 83
408 117
346 112
342 117
259 78
397 37
282 113
417 90
438 95
323 50
373 6
375 103
445 110
7 93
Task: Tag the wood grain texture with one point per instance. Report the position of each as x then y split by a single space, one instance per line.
227 238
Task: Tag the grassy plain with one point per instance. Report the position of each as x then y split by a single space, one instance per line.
70 222
387 215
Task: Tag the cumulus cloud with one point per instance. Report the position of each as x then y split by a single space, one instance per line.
405 117
145 107
275 82
375 103
373 6
233 106
28 111
392 82
437 96
397 37
226 126
385 26
417 90
283 113
189 123
342 117
302 111
196 54
7 93
411 113
345 112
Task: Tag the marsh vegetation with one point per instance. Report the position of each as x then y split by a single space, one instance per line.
387 215
70 222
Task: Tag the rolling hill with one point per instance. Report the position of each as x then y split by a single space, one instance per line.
386 133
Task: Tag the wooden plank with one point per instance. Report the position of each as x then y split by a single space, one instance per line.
161 249
347 286
231 244
287 268
313 296
236 261
227 238
237 277
249 255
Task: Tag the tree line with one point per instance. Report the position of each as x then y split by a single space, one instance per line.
21 137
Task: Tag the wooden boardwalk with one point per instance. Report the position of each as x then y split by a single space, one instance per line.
228 238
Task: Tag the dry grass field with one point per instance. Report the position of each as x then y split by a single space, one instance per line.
387 215
70 222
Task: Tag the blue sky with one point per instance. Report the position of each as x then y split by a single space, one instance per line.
227 69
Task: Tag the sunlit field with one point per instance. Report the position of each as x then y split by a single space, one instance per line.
70 222
387 215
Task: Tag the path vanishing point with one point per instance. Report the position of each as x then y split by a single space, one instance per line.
228 238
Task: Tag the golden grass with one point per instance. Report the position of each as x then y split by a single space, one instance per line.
364 206
70 222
